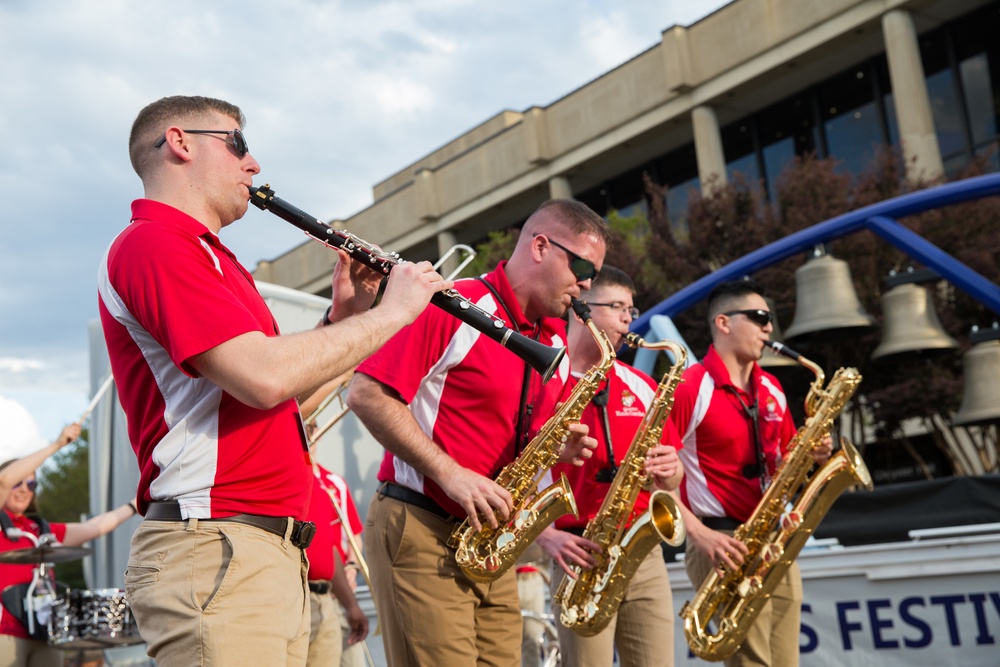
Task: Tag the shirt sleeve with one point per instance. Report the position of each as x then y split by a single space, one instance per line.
174 285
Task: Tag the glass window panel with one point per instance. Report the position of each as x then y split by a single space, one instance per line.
678 197
745 168
975 74
777 156
947 115
853 138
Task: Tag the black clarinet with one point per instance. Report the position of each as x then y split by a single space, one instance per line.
541 357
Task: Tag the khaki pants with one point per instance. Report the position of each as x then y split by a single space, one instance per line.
431 615
326 640
354 655
218 593
18 652
773 638
642 630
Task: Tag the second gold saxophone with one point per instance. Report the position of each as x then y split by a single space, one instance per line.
590 601
774 534
487 554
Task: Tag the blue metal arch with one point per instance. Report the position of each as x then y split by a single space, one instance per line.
878 218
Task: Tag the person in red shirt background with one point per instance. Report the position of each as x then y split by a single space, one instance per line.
446 403
642 630
18 485
735 424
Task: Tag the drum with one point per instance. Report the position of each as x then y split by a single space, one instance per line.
92 619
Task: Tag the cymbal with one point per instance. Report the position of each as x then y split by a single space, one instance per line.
46 553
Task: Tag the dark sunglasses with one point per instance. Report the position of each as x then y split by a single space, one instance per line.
759 317
31 484
582 268
631 311
239 141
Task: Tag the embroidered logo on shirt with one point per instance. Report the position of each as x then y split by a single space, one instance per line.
771 410
628 398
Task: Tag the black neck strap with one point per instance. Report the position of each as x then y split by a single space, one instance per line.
524 407
600 399
757 469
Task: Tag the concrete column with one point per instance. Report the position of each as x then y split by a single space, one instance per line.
536 136
708 149
446 240
559 188
427 200
912 102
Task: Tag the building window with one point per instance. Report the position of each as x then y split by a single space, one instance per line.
852 126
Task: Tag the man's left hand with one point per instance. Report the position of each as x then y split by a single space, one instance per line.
579 446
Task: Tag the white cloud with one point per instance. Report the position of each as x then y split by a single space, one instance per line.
20 434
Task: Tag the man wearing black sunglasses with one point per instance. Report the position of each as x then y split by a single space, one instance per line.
216 574
452 407
735 424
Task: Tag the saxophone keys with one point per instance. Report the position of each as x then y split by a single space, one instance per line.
749 586
524 518
591 608
505 539
790 521
771 553
569 616
491 563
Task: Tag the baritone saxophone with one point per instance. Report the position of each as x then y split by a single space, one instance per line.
591 600
773 534
487 554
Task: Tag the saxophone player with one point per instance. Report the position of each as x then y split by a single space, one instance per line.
447 403
642 630
734 420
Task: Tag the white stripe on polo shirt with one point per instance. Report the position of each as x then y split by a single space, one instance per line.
701 501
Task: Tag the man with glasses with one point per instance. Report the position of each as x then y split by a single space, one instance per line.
452 407
735 424
216 575
642 629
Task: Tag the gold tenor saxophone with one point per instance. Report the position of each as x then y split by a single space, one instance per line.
590 601
773 534
487 554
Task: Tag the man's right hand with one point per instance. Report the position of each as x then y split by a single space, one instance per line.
410 288
478 496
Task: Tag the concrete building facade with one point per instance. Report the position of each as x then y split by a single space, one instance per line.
744 90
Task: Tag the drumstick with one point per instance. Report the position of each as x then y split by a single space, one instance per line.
97 397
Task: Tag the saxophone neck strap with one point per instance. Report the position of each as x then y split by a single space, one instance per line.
524 406
601 401
757 469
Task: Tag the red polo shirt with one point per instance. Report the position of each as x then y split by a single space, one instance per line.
718 440
463 388
170 290
329 487
630 393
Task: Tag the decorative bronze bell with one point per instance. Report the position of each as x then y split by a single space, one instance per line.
910 324
981 392
826 305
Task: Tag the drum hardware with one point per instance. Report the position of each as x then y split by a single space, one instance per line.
92 619
826 305
46 551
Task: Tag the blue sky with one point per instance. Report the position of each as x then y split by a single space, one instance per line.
338 96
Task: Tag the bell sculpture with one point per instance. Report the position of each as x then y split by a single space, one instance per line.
826 306
910 324
981 391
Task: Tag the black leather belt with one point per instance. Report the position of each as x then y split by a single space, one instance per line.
321 587
411 497
302 531
720 522
576 530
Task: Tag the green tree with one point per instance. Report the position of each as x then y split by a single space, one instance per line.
64 496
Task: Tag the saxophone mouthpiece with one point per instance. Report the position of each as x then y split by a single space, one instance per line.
581 309
781 348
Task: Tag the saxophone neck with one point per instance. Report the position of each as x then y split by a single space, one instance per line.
816 389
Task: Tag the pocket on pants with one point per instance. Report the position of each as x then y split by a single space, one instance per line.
137 576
